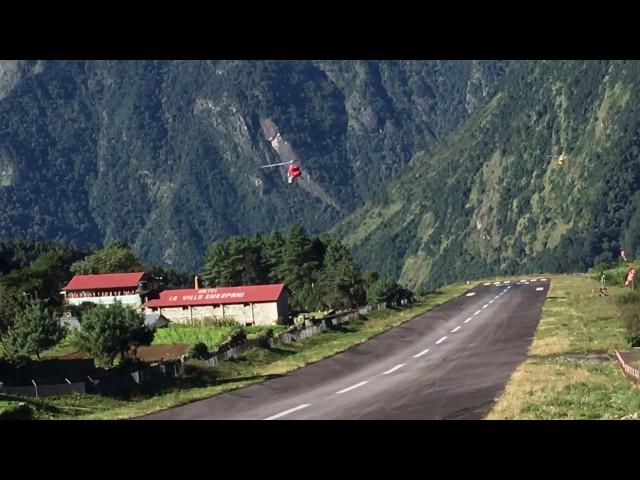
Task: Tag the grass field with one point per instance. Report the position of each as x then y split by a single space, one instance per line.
212 336
563 377
255 366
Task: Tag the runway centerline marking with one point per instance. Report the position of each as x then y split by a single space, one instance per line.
391 370
441 340
417 355
287 412
352 387
456 329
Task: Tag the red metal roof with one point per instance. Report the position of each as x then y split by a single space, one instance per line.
104 281
218 296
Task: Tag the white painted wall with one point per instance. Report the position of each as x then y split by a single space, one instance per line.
265 313
129 300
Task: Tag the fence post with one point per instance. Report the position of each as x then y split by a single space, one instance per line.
36 386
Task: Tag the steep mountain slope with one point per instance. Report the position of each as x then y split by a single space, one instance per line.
490 198
165 155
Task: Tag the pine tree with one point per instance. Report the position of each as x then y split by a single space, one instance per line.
298 263
273 247
217 271
340 281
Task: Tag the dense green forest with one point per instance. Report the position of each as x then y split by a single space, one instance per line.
433 170
319 272
39 270
165 155
495 197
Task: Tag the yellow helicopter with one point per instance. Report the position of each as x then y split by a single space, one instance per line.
560 159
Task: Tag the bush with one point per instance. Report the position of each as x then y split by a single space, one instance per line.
21 412
629 306
628 298
422 291
613 276
236 337
79 310
129 364
283 321
198 351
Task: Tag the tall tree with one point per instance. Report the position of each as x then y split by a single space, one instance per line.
9 306
109 331
340 280
383 290
33 330
273 246
217 271
298 260
115 258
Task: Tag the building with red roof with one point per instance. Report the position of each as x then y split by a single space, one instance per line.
126 288
248 305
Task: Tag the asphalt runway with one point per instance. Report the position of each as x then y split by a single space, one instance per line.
449 363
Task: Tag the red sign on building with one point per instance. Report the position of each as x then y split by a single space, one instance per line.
218 296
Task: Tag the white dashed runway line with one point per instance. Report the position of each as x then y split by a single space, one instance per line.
417 355
391 370
352 387
287 412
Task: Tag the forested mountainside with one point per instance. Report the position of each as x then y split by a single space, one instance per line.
497 195
165 155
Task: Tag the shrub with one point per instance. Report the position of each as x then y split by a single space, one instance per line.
629 306
236 337
20 412
198 351
628 297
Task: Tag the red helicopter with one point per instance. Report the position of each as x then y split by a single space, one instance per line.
293 171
